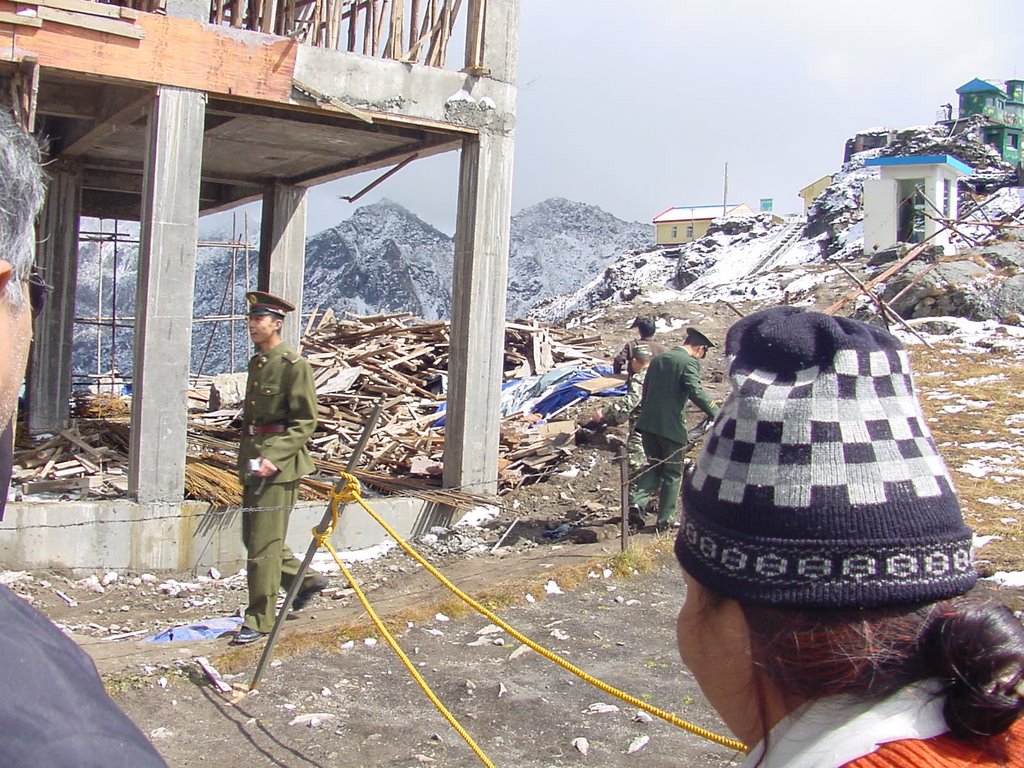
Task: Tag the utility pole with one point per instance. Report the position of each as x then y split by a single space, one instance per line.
725 191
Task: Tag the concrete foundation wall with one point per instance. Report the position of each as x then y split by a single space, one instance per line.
126 536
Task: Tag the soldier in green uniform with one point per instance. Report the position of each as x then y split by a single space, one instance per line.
672 380
624 410
278 417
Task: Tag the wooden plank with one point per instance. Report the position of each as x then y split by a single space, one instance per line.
899 265
7 17
108 126
51 486
601 384
74 437
87 7
228 62
97 23
475 38
368 12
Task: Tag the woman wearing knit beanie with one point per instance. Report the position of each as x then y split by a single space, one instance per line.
830 615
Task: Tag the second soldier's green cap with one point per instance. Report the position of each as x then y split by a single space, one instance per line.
263 303
698 339
642 352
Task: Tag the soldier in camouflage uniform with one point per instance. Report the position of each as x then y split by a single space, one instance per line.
625 410
278 417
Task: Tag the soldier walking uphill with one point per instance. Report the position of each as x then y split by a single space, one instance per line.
625 409
673 379
278 417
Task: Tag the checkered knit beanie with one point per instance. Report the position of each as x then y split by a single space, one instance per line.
819 484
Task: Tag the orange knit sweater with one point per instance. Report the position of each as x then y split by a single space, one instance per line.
1006 751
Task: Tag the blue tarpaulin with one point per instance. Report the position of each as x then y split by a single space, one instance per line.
204 630
549 392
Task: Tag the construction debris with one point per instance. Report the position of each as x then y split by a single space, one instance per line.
357 362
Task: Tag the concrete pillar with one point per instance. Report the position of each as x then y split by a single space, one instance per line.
49 386
197 10
283 251
164 295
476 357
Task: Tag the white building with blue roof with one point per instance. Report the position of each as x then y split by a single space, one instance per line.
912 201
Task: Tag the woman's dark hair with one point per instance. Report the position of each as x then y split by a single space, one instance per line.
645 327
971 643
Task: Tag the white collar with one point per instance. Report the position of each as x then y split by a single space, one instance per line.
831 732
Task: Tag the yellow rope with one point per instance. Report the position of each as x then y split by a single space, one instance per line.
351 493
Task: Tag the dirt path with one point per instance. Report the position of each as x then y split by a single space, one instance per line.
356 705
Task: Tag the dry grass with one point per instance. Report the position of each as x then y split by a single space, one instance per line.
991 386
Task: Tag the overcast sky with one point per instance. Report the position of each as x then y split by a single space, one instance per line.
637 106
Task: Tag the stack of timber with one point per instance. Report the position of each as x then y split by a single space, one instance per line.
358 361
89 459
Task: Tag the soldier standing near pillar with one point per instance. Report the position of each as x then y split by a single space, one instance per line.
278 418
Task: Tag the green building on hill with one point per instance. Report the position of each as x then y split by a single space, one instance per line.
1004 109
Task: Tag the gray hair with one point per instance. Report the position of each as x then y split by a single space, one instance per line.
22 188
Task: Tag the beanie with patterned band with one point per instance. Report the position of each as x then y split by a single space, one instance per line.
820 484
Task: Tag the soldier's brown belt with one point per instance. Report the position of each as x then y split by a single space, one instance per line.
264 429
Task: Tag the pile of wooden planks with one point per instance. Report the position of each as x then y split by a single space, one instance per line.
87 459
358 361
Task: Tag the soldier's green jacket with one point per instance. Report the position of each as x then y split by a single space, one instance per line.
673 378
279 390
625 408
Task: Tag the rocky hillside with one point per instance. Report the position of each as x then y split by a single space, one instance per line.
761 258
558 245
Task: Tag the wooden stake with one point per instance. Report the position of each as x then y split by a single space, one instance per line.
886 309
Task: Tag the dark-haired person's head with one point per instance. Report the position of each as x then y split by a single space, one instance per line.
645 326
827 560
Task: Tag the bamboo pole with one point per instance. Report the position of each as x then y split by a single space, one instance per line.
913 254
886 309
378 24
414 15
475 37
368 15
353 19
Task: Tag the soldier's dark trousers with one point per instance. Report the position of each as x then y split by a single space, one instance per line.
662 475
270 564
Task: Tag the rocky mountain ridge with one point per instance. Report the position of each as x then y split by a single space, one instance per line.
383 258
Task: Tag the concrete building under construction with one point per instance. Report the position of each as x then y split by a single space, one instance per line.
159 111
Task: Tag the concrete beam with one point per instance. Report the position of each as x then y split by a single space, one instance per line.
164 295
384 87
49 386
478 313
283 251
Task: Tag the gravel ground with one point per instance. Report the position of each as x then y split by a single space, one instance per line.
353 703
